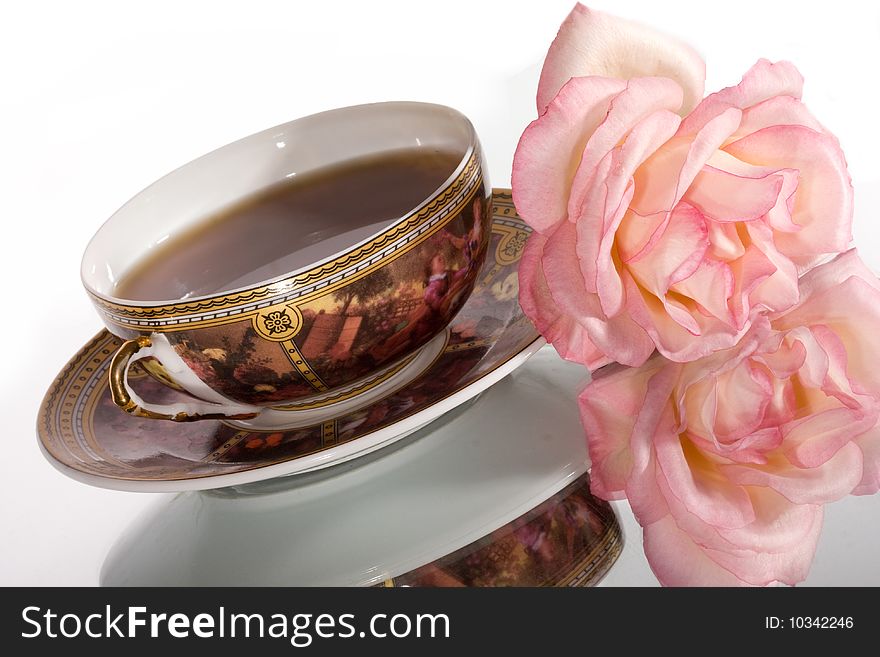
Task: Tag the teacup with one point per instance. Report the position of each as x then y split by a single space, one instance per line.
265 353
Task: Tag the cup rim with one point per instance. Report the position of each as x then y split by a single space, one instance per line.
283 281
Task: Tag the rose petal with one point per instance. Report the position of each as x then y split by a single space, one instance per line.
677 560
609 406
727 196
692 479
852 321
710 286
869 443
676 255
835 272
619 337
649 100
779 290
778 110
828 482
655 417
823 204
671 338
568 337
744 393
765 80
665 177
749 271
781 543
813 440
725 242
593 43
778 546
551 148
642 141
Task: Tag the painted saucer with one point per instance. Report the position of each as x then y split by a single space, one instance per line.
85 436
494 493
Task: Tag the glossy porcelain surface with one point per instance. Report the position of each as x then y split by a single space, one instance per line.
473 498
86 436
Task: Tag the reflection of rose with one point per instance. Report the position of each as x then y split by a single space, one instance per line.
727 461
657 231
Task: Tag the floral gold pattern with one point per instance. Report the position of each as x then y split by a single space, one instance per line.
277 322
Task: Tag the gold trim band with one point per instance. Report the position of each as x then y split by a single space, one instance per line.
120 311
302 366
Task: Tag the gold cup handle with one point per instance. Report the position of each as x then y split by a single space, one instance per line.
123 396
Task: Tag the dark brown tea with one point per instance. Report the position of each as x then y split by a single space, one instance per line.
307 218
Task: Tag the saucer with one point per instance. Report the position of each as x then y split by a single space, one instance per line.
495 493
88 438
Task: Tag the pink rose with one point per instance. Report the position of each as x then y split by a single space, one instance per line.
657 231
727 461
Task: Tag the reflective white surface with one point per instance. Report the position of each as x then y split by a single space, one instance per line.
100 102
360 523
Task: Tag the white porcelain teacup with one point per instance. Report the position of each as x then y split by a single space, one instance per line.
280 373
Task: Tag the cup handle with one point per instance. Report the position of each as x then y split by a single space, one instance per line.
125 398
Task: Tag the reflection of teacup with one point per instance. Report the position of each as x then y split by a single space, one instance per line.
317 334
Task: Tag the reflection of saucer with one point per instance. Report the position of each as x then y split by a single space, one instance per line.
494 494
85 436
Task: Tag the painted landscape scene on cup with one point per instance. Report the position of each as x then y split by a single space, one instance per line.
571 539
353 331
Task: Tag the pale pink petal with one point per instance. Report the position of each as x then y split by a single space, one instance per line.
692 479
779 526
779 110
749 271
823 204
643 140
609 406
724 241
565 334
743 393
551 148
790 566
656 417
668 173
869 443
651 100
779 215
784 361
835 272
765 80
837 383
676 255
593 43
831 481
725 196
677 560
813 440
673 340
779 290
609 285
749 449
855 322
711 286
778 546
621 340
618 337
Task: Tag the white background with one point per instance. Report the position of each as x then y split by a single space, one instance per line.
97 100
